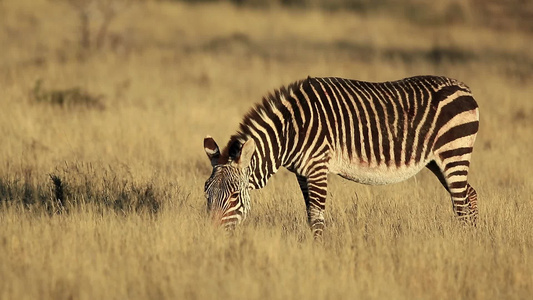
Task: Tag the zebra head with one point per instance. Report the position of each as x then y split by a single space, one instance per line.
228 188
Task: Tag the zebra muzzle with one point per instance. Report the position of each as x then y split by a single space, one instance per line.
228 220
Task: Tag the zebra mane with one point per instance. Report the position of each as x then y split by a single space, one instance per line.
264 109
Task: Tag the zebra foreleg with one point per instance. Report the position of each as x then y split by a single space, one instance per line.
314 190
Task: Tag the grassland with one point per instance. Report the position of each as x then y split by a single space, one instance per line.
120 127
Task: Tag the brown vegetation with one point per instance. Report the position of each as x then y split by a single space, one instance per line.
108 202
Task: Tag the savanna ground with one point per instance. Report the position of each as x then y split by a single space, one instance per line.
102 165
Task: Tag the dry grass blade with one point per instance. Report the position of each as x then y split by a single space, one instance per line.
107 202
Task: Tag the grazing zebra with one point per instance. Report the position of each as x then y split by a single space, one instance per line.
371 133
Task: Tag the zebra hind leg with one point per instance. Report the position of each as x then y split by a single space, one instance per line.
453 176
472 200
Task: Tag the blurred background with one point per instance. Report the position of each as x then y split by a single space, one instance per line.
136 85
104 106
133 86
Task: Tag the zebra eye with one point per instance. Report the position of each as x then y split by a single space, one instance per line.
234 196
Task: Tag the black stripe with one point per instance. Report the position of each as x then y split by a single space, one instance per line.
459 195
455 152
423 107
424 130
381 97
355 108
405 119
448 111
390 98
347 136
298 119
458 173
349 110
454 164
328 113
319 184
295 110
400 120
268 143
411 112
317 203
271 141
376 117
444 93
315 133
363 122
336 112
324 115
458 185
455 107
374 139
455 133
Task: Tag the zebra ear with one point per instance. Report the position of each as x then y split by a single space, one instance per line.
247 151
211 149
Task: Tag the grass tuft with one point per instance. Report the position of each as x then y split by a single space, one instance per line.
66 98
109 204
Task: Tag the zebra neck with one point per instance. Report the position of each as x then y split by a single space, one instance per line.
268 124
265 162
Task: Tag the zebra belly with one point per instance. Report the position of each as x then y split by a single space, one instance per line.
365 173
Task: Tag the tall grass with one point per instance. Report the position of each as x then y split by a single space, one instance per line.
108 202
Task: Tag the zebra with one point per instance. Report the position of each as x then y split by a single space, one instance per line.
372 133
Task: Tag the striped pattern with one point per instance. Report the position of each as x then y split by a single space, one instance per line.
372 133
224 192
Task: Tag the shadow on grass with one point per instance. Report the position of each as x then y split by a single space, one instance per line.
66 98
59 193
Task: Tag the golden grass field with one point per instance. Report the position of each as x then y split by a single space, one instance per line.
128 220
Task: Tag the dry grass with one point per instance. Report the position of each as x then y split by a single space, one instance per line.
125 216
